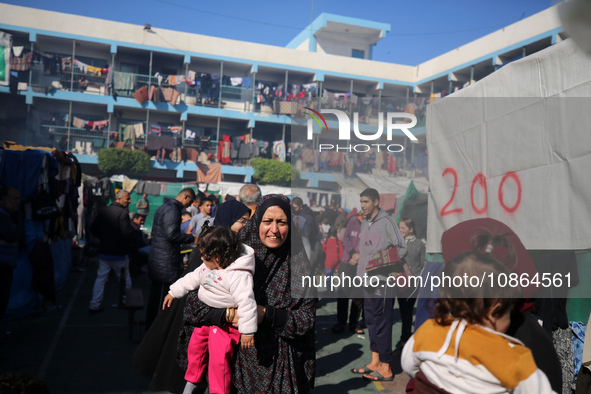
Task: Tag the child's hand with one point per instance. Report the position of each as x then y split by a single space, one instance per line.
246 341
167 301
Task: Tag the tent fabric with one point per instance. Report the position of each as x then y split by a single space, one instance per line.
513 147
35 273
414 206
23 299
22 169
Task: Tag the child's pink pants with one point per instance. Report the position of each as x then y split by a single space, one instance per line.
216 344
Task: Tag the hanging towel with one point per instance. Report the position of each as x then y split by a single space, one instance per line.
191 76
141 95
139 130
209 173
78 123
154 142
167 142
129 135
123 81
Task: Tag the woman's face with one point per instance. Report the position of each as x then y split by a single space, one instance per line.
404 229
240 223
274 227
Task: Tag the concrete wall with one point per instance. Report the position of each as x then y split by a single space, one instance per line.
205 46
538 25
499 40
335 46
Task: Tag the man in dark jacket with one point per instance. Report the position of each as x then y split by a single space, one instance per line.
165 262
117 239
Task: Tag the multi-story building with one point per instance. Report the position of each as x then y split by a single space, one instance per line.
76 78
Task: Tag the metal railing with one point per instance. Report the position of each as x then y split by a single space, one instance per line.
74 131
74 80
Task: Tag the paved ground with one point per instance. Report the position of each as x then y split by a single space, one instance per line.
75 352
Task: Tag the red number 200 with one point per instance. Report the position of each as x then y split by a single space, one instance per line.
481 180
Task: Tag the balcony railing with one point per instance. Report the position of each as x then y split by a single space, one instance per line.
85 141
234 98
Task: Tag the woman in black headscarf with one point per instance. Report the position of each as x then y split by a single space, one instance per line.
283 358
155 358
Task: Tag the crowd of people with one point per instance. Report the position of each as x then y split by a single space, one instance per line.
231 317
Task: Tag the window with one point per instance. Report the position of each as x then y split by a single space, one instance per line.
359 54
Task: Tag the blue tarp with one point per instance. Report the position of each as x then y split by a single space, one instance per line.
21 170
23 299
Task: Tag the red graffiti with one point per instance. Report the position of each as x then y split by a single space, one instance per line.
501 199
482 181
444 209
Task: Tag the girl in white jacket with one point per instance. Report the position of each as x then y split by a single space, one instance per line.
224 280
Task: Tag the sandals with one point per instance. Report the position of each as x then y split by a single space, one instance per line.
378 377
362 371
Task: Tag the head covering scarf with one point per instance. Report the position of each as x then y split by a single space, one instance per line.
281 361
229 212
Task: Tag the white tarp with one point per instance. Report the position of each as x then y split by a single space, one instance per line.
232 188
527 129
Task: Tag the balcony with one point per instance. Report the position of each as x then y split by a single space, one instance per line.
42 81
235 98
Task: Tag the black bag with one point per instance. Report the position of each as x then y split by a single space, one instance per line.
43 207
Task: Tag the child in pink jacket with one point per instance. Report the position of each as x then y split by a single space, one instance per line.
224 281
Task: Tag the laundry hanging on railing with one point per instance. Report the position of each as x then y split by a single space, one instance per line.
94 124
155 129
158 94
139 130
94 70
124 82
224 150
100 124
21 63
128 134
180 79
191 77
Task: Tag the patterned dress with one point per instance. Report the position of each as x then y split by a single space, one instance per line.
283 358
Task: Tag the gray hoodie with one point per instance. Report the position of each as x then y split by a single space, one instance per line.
379 234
